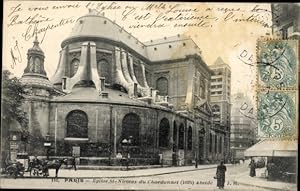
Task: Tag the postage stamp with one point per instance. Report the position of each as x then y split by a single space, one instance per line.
277 114
277 62
277 82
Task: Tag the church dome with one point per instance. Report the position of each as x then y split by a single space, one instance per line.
97 26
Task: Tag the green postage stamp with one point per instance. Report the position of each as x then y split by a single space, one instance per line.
277 85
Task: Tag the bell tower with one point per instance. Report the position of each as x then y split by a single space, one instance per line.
39 90
34 74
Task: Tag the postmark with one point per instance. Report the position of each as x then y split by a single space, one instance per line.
276 114
277 61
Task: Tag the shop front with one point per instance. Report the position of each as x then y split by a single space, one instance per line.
281 158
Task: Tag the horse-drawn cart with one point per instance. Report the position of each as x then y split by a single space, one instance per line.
15 169
41 167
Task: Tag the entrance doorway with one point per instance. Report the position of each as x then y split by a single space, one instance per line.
201 150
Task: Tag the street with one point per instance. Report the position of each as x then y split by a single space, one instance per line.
201 179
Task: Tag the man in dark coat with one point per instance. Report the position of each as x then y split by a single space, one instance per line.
74 162
252 168
36 162
221 169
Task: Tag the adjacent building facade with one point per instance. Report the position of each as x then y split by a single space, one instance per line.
286 20
243 126
113 96
221 106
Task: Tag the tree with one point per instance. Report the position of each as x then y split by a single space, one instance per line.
13 92
12 98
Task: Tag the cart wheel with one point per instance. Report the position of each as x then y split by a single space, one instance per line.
11 172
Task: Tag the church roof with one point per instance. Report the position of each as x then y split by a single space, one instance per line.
170 48
91 95
36 48
167 48
92 25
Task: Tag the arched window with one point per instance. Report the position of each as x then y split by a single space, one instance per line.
164 129
131 127
162 86
74 67
220 144
77 124
103 69
181 137
37 68
190 139
138 72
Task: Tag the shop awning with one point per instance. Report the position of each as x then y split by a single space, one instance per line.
277 148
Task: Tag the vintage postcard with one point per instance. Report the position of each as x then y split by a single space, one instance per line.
112 95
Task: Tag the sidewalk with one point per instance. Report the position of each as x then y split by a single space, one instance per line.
262 182
85 173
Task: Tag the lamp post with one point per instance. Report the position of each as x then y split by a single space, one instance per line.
47 145
127 143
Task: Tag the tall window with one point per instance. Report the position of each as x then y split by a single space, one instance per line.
220 145
216 143
37 63
162 86
164 129
181 137
202 88
103 69
210 142
197 83
77 124
74 67
137 69
174 135
190 139
131 127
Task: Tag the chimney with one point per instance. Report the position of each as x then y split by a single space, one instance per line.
135 90
64 83
102 83
103 93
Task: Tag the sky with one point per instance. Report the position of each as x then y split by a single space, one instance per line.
229 30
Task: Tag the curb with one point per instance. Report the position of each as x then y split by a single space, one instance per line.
134 176
264 187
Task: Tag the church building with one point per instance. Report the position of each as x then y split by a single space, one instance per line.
113 95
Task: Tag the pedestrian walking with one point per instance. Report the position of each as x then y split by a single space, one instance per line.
74 162
252 168
220 174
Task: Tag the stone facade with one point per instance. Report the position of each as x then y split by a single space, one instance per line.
221 106
109 87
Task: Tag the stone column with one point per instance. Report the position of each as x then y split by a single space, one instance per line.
93 72
119 78
61 68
